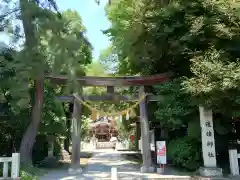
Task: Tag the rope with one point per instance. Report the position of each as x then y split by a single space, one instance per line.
123 112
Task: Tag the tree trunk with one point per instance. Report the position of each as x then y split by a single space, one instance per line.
31 132
28 27
31 43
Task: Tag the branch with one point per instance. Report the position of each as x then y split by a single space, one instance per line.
55 7
98 2
8 13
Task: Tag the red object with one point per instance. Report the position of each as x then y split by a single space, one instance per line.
132 137
161 152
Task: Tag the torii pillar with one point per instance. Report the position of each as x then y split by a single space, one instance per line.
145 136
76 138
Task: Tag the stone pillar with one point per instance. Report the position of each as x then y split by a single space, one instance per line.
61 139
233 160
15 166
51 145
93 141
208 144
138 134
145 136
76 139
152 140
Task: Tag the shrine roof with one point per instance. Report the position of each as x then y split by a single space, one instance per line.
114 81
93 124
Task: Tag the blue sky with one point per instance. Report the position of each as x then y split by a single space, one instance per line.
94 19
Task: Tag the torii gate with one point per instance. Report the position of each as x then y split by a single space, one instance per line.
110 83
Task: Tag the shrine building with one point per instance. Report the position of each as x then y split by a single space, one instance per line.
103 129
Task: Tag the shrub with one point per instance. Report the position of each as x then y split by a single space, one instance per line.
27 176
40 149
26 173
185 152
52 162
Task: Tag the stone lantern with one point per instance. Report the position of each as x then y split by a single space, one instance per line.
50 139
61 139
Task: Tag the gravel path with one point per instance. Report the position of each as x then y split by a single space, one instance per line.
99 168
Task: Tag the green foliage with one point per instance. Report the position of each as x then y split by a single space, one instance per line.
97 69
185 152
194 129
40 150
124 129
94 69
24 175
175 109
85 127
133 145
12 91
58 43
198 41
53 115
216 82
27 176
14 115
109 60
152 37
30 172
54 44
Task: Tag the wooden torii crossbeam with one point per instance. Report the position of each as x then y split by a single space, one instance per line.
114 81
110 97
110 82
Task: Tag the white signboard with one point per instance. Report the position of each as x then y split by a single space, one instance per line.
161 152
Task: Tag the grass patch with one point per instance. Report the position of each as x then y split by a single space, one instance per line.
35 171
31 173
28 172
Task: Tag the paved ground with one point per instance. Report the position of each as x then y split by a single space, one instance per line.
100 165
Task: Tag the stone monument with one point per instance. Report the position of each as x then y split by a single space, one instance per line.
208 144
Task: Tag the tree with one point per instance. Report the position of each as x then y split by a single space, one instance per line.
152 37
94 69
216 82
197 40
176 108
48 36
13 110
109 60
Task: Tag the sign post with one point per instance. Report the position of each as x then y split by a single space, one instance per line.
161 155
